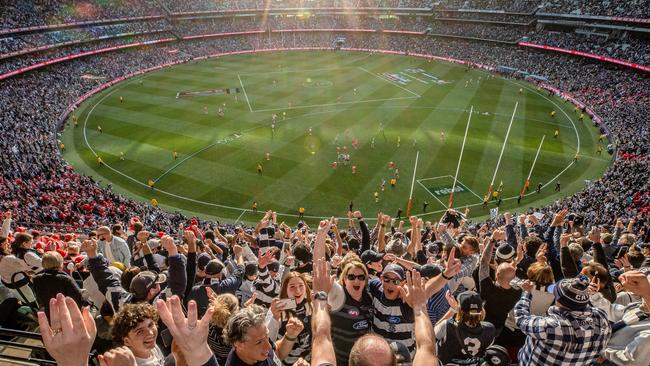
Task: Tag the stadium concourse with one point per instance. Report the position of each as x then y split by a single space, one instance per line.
561 284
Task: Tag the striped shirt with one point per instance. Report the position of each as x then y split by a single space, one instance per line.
266 287
437 305
217 344
302 346
392 319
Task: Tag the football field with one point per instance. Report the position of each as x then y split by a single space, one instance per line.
322 129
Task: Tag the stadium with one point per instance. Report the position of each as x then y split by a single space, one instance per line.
178 137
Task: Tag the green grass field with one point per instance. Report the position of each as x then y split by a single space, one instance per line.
338 97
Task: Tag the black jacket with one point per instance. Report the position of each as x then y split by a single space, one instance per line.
50 282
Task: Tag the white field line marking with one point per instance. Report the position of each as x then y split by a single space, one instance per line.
391 82
536 156
417 155
432 195
469 189
434 178
331 104
462 148
243 211
503 147
245 95
184 159
411 76
527 87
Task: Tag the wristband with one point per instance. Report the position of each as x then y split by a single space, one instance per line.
290 339
445 277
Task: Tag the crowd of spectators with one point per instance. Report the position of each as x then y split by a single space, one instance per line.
526 289
412 24
18 62
206 5
483 16
485 283
627 9
26 42
524 6
629 48
29 13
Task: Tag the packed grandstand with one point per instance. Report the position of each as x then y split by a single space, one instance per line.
569 288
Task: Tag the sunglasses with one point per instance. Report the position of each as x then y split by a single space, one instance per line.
360 277
394 281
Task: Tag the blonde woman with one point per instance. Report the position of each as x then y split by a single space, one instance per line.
224 306
351 309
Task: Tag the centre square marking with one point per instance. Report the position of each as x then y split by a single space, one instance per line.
260 87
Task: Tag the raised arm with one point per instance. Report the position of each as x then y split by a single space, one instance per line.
511 237
486 256
415 236
190 267
534 326
177 278
321 235
322 349
365 233
337 237
569 268
425 340
452 268
6 224
381 235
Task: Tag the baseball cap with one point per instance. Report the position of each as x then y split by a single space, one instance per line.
505 252
202 261
214 267
144 281
395 269
370 255
496 355
273 266
470 301
429 270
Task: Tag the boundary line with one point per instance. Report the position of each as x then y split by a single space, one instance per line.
245 95
127 82
390 82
